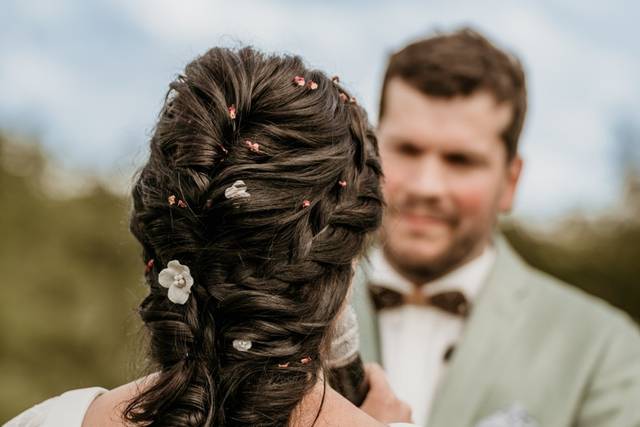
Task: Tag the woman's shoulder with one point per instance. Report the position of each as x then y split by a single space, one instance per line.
67 409
108 408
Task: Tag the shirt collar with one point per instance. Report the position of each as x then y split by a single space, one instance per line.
467 278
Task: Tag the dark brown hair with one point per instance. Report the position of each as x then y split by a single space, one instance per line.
269 268
459 64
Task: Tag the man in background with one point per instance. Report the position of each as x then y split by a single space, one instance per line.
468 333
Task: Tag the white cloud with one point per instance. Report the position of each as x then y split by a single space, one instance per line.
44 12
84 121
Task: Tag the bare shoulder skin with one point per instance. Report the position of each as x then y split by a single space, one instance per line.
106 410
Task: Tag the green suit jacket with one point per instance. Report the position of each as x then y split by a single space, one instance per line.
567 358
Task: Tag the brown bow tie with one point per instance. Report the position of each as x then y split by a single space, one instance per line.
453 302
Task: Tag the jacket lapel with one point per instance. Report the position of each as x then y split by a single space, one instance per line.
487 335
367 319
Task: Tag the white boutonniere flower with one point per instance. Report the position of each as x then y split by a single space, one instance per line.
177 278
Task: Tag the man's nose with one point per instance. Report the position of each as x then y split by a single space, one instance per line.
430 178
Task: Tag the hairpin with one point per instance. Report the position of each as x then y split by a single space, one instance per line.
232 112
299 80
181 204
177 278
253 146
306 203
148 266
342 183
242 345
312 85
172 200
305 360
237 190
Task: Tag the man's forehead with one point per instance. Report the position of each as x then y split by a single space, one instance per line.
408 111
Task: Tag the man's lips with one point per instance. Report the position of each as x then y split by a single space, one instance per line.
423 220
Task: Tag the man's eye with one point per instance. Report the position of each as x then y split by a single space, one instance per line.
459 159
408 150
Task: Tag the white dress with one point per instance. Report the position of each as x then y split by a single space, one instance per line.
68 410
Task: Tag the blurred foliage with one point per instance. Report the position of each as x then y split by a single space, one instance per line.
72 278
602 256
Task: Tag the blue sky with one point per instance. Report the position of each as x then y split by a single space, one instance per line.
88 77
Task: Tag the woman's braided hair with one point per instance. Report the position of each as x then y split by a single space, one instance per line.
268 268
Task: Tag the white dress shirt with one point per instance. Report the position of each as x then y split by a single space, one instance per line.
414 338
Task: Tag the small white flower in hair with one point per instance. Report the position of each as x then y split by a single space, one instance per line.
242 345
237 190
177 278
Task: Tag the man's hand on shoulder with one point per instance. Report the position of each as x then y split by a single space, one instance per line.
381 403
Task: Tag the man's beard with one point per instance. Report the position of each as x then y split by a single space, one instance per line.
462 248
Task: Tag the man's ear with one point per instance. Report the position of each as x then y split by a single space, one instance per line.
512 177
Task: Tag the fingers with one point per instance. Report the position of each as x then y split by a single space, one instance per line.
405 413
381 402
376 376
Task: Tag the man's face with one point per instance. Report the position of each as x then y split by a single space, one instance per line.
446 177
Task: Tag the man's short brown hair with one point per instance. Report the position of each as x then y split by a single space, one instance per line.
459 64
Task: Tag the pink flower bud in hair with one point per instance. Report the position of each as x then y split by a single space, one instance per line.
253 146
299 80
148 266
232 112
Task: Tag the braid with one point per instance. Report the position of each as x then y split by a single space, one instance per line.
273 268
